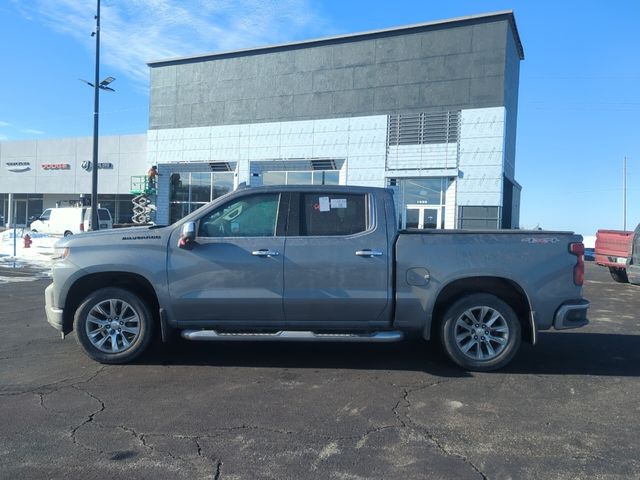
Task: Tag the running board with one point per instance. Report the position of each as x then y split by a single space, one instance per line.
292 336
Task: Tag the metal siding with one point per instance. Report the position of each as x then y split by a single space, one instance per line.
447 68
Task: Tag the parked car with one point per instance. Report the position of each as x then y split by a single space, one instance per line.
315 263
612 249
633 259
69 220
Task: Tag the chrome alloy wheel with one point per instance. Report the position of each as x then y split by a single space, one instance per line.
481 333
112 325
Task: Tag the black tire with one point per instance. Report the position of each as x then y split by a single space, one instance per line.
34 231
115 314
501 335
619 274
67 233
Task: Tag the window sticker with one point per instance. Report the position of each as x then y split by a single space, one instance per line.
338 203
325 206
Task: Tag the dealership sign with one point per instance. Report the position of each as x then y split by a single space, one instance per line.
56 166
101 166
18 166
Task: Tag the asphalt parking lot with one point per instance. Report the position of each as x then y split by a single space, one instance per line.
566 408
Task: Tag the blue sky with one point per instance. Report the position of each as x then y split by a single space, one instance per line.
579 101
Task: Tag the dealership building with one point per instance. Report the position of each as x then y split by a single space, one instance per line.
40 174
429 110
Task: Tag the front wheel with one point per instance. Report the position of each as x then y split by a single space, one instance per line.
619 274
480 332
113 325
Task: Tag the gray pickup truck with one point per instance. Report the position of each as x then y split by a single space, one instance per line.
315 263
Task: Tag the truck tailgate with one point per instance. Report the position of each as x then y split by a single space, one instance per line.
612 247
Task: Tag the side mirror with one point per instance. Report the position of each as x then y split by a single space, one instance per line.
188 235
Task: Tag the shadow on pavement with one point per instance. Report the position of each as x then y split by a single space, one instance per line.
407 355
574 353
580 353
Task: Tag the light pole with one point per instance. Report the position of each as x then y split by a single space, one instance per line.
97 86
624 194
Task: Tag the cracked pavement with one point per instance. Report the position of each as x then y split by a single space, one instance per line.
567 408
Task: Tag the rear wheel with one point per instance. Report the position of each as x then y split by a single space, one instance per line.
113 325
619 274
67 233
480 332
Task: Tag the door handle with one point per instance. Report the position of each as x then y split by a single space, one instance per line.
369 253
265 253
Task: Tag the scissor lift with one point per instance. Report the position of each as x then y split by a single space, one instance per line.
142 202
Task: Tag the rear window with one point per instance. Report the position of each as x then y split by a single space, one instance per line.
333 214
103 214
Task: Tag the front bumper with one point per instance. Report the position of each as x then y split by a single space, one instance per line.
54 314
571 315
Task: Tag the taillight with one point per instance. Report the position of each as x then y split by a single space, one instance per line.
82 227
577 249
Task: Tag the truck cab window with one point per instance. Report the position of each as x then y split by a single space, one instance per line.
324 214
252 216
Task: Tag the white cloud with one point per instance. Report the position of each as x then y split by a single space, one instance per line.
3 138
134 32
4 124
32 131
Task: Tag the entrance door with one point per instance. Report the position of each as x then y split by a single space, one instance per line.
423 216
20 213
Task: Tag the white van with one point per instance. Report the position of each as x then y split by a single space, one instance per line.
69 220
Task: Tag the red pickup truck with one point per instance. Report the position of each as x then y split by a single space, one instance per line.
612 250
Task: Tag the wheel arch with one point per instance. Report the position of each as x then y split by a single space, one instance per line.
505 289
83 286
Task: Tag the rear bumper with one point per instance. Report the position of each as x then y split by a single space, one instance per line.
54 314
611 261
571 315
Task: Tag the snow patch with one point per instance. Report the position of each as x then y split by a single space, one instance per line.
26 264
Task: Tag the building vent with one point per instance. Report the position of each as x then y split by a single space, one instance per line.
324 164
220 167
422 128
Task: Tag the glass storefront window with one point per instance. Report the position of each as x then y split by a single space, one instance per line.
191 190
299 178
328 177
424 190
479 217
27 207
120 207
421 201
3 208
222 184
274 178
179 182
124 209
315 177
200 187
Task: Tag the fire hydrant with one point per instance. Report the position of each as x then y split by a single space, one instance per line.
27 240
